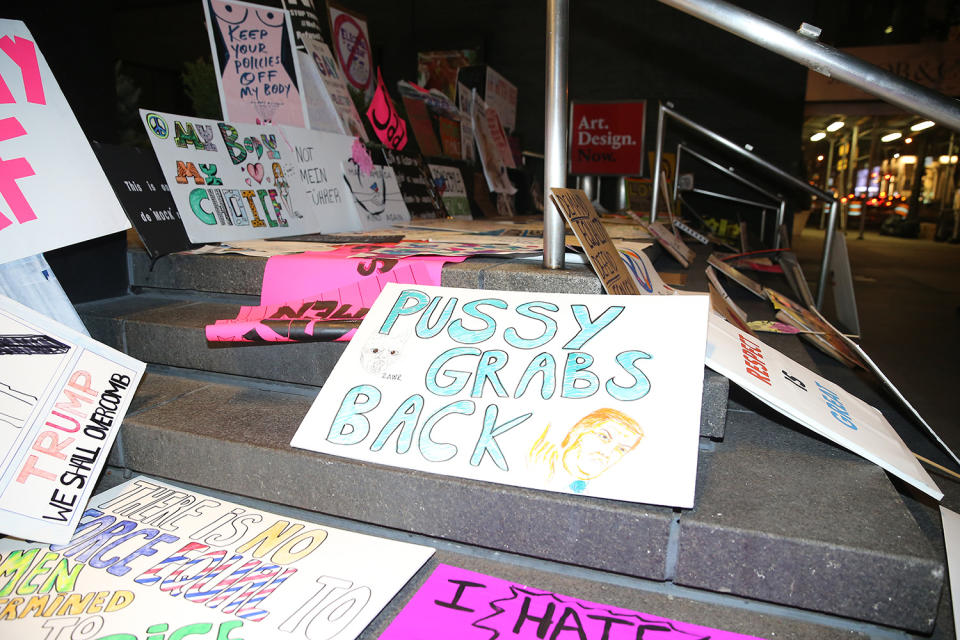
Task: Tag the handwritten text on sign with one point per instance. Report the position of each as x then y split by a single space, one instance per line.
390 128
150 558
52 190
456 603
24 54
541 391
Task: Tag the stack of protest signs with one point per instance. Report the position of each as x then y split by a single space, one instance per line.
150 559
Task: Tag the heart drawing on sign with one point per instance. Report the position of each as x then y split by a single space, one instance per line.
255 171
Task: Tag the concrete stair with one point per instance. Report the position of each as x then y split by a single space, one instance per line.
781 516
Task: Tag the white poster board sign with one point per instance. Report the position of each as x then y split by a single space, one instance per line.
150 559
547 391
53 192
233 181
254 54
63 396
951 540
813 401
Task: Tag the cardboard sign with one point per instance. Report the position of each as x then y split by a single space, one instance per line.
457 603
258 72
329 70
422 126
736 275
593 237
382 115
816 329
499 137
670 241
150 558
351 43
449 184
547 391
145 197
724 306
646 277
416 184
813 401
52 190
62 400
493 163
606 138
501 96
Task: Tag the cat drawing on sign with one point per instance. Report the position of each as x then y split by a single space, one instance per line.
381 355
368 189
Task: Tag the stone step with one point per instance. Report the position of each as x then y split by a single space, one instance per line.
168 329
617 591
243 275
780 516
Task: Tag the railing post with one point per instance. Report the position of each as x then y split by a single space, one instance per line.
827 248
555 136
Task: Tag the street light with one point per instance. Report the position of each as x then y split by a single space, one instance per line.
890 137
835 126
920 126
818 136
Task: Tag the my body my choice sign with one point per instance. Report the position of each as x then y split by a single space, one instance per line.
606 138
594 395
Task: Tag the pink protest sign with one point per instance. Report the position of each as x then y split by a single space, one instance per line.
53 192
456 603
307 275
326 316
390 128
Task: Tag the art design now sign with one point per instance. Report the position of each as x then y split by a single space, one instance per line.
606 138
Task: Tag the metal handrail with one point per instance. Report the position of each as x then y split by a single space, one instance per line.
666 112
825 59
728 171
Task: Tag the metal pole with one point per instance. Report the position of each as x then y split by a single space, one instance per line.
852 159
827 247
825 60
827 179
655 197
874 140
737 199
555 136
781 214
676 173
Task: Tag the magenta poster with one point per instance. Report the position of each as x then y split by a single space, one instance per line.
257 70
461 604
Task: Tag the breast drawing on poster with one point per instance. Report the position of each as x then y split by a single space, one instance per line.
152 560
539 391
257 71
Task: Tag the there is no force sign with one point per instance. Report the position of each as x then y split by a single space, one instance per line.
606 138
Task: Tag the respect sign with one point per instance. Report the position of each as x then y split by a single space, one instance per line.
606 138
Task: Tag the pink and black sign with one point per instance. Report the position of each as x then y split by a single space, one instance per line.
606 138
